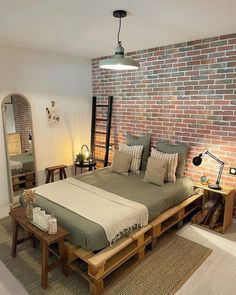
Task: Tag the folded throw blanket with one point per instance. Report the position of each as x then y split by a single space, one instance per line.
114 213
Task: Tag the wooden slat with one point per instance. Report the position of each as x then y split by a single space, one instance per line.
108 252
174 210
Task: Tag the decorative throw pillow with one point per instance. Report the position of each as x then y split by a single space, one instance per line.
172 161
121 163
135 151
156 171
180 148
145 142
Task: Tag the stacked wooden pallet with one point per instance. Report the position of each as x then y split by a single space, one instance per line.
99 267
23 180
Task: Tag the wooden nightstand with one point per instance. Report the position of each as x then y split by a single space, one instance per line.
227 193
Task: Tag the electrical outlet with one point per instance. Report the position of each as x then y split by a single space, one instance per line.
232 171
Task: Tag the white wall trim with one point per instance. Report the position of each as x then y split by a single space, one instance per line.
4 202
234 220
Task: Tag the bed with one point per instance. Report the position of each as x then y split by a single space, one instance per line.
90 235
21 163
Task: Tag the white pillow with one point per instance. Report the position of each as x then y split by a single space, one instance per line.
172 161
135 151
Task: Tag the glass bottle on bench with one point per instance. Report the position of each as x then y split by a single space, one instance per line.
52 225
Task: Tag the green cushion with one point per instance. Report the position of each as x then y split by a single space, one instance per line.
145 142
180 148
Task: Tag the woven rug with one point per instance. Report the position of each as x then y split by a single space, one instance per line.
162 272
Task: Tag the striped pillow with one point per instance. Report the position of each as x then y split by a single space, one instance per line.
172 161
135 151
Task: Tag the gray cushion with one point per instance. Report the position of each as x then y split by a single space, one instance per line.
145 142
121 163
156 171
180 148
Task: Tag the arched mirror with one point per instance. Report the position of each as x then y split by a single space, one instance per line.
18 131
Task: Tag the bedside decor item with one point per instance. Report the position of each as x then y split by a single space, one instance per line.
119 62
198 160
29 198
204 179
85 152
80 158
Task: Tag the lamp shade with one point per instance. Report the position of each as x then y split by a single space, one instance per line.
119 63
197 160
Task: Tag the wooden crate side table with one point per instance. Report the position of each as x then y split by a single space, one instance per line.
50 172
228 194
20 219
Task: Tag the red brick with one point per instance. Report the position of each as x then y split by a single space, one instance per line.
187 96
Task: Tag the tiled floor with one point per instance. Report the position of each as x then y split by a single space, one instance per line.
216 276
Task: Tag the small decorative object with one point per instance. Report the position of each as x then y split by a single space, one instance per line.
204 179
29 198
52 225
53 115
86 153
36 212
198 160
80 158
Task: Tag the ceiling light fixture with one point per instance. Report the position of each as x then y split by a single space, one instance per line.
119 62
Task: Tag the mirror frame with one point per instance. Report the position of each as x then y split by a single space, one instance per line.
10 184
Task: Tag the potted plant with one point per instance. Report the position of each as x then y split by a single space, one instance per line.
80 158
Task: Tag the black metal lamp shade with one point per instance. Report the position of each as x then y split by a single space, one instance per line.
197 162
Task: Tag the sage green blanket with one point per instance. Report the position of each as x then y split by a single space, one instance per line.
157 199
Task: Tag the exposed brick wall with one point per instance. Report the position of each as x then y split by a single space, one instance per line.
182 92
22 120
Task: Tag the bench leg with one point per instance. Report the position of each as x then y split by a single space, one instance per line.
48 177
44 274
62 253
64 173
52 176
15 238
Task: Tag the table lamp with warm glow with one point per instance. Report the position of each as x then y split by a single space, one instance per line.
198 160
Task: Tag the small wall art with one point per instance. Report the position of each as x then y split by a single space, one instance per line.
53 115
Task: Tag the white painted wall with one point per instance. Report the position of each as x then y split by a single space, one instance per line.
42 77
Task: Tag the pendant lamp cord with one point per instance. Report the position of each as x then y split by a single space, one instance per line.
118 34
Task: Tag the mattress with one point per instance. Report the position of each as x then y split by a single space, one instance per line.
27 162
157 199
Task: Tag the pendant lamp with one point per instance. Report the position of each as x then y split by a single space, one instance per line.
119 62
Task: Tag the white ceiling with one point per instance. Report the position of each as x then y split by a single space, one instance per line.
87 28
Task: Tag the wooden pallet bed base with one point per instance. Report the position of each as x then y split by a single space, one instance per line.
96 267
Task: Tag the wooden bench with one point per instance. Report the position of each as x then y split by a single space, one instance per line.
50 172
20 219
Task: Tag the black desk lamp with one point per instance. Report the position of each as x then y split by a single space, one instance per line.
198 160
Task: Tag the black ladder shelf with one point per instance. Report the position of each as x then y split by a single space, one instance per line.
104 145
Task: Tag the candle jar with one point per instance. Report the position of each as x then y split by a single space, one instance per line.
41 218
36 211
29 211
52 225
45 221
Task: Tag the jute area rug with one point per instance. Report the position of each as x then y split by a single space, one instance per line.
162 272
